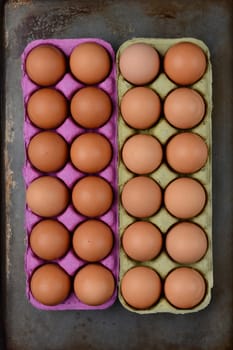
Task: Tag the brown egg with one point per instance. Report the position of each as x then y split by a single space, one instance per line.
48 151
184 288
91 152
45 65
50 284
90 63
142 154
94 284
92 196
185 63
92 240
186 243
140 107
184 198
47 108
186 153
49 240
91 107
141 287
141 197
184 108
139 63
142 241
47 196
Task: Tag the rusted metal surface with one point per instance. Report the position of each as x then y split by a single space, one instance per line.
24 327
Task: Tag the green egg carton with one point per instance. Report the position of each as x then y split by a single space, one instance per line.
162 130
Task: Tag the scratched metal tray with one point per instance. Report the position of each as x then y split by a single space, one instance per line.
23 327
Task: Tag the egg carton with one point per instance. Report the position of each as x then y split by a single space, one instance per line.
162 130
70 175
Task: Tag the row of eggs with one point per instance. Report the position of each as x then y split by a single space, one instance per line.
91 107
92 196
141 286
92 241
90 63
92 152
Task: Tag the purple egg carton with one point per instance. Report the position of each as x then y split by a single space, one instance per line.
70 175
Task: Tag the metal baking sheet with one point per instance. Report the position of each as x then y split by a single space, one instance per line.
23 327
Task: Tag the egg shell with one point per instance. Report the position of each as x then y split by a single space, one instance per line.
139 63
184 198
140 107
52 234
94 284
47 196
185 63
50 284
141 287
47 108
186 243
141 197
45 65
142 154
92 196
186 153
90 63
91 115
184 287
69 130
164 175
43 151
142 241
184 108
90 152
92 240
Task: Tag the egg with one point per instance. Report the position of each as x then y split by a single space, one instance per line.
185 198
140 107
50 284
47 108
141 287
142 154
184 288
91 107
91 152
90 63
47 196
94 284
92 240
49 239
45 65
186 153
141 197
186 243
48 151
185 63
92 196
142 241
139 63
184 108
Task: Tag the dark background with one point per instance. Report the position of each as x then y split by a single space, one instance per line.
26 328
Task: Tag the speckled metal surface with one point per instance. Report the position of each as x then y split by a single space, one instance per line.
24 327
